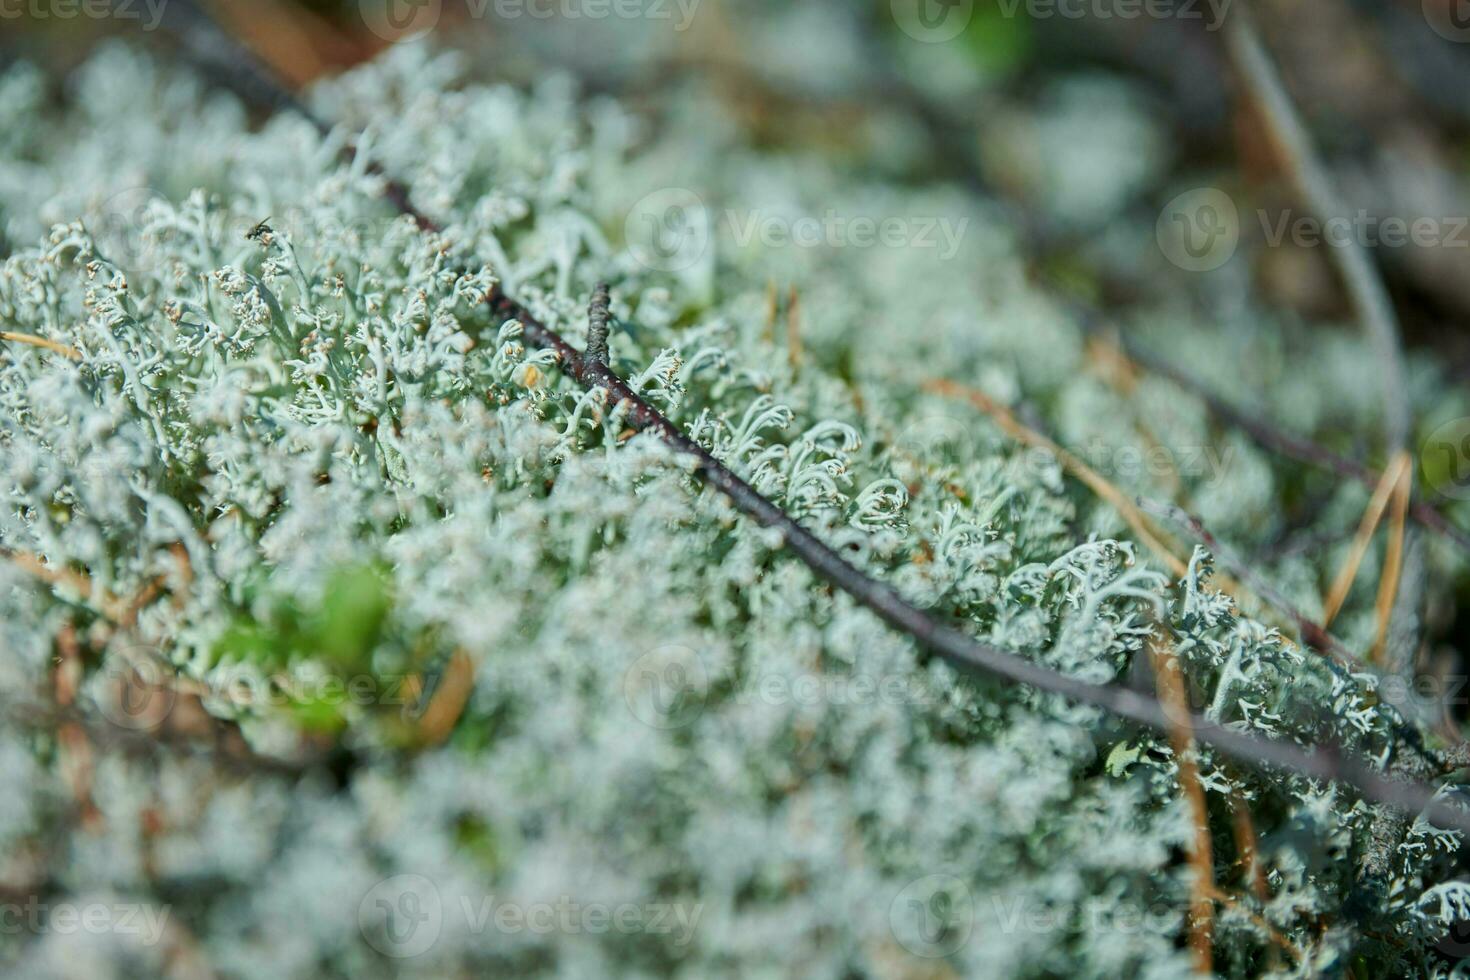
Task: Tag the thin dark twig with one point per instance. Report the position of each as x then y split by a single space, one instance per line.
1270 436
954 647
224 60
951 645
1340 660
1375 311
1313 633
598 316
233 65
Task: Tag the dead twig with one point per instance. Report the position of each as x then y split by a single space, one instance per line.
1268 435
1337 657
74 749
793 327
105 603
1137 513
1247 847
174 704
1259 921
598 318
1313 634
956 648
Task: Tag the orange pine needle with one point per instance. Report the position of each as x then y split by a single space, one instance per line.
1169 680
1276 937
449 700
1372 517
1095 481
42 342
1393 559
74 581
793 327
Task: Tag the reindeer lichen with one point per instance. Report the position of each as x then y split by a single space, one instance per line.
297 433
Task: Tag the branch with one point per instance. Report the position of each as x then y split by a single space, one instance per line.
1338 658
1314 634
598 316
954 647
1266 434
1138 513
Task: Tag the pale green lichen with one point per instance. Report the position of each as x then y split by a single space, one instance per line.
366 473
